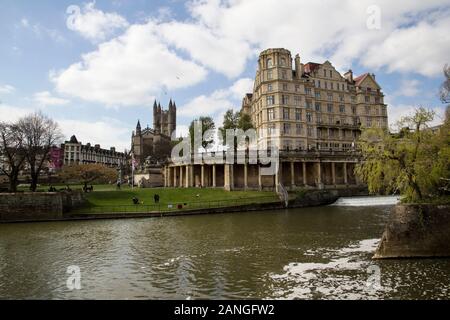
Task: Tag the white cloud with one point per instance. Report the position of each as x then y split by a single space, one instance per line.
128 70
396 112
217 102
303 26
41 31
12 113
6 89
223 36
107 132
24 22
423 48
45 98
408 88
218 52
95 24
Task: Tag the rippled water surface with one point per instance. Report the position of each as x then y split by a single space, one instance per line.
311 253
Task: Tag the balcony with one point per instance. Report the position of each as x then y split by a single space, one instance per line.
337 124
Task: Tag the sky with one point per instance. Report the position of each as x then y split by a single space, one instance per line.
96 67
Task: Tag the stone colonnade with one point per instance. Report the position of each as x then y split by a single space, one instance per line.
291 174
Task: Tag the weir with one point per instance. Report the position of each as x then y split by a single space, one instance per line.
367 201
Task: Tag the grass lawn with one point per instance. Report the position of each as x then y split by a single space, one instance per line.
107 198
171 198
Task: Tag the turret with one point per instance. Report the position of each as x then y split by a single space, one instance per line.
172 117
272 60
138 128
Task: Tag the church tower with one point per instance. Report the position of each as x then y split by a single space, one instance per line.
172 118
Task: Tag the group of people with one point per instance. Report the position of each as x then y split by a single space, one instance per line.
155 198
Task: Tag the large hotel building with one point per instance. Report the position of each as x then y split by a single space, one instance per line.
312 113
311 106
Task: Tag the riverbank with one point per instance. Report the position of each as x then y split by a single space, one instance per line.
174 202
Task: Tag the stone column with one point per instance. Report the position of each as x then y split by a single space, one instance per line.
292 174
278 176
202 179
214 182
228 177
345 174
333 173
245 176
191 176
165 177
181 176
259 178
305 181
188 178
319 175
175 184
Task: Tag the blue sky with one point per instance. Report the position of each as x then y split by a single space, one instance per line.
96 67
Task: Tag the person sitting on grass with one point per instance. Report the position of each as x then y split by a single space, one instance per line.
135 200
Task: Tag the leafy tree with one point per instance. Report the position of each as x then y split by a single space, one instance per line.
12 153
245 121
207 124
235 120
88 173
412 162
39 134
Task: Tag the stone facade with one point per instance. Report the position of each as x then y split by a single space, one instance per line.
77 153
311 106
151 142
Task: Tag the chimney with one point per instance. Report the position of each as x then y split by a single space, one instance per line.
298 66
349 76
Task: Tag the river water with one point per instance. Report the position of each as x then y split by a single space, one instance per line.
309 253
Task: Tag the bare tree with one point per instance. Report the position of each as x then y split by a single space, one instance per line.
39 133
12 153
445 87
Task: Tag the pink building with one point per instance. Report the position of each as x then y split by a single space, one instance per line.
56 158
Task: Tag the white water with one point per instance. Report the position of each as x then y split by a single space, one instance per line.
367 201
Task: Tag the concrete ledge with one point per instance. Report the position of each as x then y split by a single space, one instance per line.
416 231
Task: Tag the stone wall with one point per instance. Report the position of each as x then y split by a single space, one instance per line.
309 198
38 206
416 231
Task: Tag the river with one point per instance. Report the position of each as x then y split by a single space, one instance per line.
309 253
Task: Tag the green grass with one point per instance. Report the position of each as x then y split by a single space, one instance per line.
108 199
168 196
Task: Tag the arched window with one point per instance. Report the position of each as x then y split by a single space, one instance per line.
269 62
